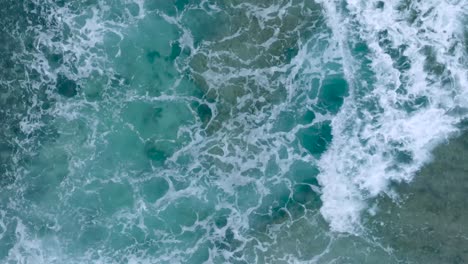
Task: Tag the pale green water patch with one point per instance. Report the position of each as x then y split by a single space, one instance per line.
428 225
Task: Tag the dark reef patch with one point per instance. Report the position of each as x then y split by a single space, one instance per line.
66 87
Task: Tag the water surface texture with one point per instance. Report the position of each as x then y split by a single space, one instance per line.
233 131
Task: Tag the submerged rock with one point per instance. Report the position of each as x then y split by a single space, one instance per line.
152 55
154 153
55 60
159 151
66 87
380 4
175 51
205 114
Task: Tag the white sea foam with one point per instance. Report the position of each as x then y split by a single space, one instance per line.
367 145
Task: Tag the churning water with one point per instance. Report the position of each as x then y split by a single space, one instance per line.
233 131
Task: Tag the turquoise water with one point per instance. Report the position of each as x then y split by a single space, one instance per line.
219 131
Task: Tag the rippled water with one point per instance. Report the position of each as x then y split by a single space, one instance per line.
232 131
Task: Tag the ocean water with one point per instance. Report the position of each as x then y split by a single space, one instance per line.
233 131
